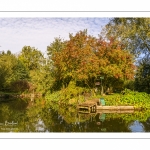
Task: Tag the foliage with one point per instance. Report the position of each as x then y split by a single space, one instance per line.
142 78
128 97
69 95
84 58
31 58
35 63
11 70
129 118
20 86
72 66
134 33
24 72
55 72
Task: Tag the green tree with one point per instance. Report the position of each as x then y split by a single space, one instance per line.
31 58
11 70
34 62
53 71
142 78
134 33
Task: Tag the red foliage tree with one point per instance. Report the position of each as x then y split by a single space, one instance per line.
84 58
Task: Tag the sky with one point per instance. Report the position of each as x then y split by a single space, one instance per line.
40 32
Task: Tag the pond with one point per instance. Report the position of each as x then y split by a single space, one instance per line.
21 115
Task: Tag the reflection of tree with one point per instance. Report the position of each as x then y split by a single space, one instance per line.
60 120
32 118
18 111
116 125
96 124
55 118
146 125
5 112
49 118
54 122
18 105
64 121
68 120
12 111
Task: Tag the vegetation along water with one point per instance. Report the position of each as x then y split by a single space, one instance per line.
41 93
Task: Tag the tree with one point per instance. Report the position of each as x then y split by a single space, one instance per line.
11 70
2 74
53 72
116 65
134 33
76 61
84 58
31 58
34 62
142 78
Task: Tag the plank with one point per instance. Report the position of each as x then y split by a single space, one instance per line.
114 111
116 107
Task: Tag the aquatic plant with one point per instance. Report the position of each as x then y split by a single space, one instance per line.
138 99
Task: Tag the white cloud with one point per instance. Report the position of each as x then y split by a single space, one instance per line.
40 32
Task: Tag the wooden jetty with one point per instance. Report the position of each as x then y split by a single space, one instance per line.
106 111
87 107
93 107
115 107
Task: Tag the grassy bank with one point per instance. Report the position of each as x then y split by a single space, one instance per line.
128 97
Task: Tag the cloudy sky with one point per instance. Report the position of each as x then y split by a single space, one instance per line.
40 32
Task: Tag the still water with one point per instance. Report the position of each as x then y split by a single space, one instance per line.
26 116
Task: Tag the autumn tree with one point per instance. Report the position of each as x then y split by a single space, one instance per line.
84 58
134 34
76 61
116 65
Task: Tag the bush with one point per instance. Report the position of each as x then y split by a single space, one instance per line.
71 94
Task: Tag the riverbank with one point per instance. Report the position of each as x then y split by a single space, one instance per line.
19 95
127 98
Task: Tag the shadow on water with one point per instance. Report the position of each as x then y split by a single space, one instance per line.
21 115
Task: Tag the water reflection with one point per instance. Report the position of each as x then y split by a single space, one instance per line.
22 116
146 125
136 126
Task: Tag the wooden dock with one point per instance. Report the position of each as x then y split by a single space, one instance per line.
106 111
92 107
115 108
87 107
